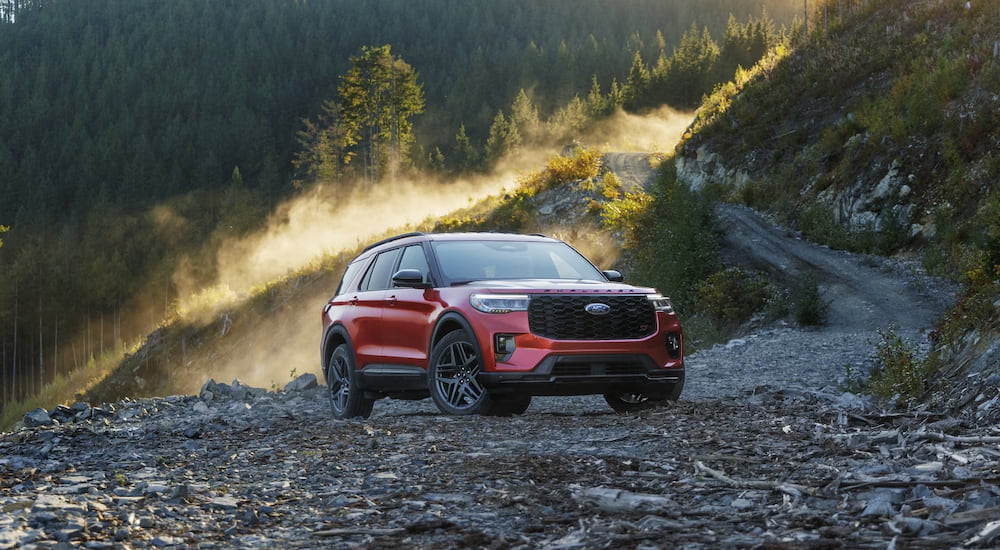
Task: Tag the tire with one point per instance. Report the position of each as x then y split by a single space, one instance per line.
675 392
626 402
509 405
347 399
451 376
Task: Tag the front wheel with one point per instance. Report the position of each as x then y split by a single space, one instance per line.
452 376
626 402
347 399
509 405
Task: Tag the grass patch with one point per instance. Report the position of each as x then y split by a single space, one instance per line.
900 374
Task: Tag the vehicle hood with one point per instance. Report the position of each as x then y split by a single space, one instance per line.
558 286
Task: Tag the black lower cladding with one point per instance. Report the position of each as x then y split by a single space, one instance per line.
587 374
393 377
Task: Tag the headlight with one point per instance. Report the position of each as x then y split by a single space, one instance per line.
499 303
661 303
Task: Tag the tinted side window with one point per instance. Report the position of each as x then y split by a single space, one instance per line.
381 270
414 258
349 275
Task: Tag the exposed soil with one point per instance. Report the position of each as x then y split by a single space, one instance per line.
762 451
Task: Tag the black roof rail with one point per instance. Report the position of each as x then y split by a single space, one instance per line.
390 239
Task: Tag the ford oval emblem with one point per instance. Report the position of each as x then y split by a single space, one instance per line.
597 308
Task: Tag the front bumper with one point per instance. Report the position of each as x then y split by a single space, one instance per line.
587 374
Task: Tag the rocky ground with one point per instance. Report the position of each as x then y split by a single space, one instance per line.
764 450
239 467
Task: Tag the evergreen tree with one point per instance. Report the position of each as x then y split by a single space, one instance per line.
323 148
597 104
465 154
691 68
524 116
637 83
503 139
378 97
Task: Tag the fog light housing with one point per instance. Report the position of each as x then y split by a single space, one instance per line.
503 346
673 344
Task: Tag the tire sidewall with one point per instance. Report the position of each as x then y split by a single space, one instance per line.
484 403
357 404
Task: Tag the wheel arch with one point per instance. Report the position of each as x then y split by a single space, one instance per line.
448 323
335 336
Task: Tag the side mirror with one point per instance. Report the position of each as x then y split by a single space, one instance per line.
613 276
409 278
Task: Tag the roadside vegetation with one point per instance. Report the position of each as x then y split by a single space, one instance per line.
878 90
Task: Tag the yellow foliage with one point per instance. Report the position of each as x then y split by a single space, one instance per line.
611 186
581 164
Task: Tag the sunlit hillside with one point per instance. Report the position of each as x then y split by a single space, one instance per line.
880 133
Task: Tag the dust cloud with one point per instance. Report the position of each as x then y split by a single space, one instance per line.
299 232
654 132
320 222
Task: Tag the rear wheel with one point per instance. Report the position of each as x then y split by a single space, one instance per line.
452 376
347 400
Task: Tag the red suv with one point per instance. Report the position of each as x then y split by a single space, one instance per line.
481 322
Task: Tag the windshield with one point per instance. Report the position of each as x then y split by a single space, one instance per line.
463 261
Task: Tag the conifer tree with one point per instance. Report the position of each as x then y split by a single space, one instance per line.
504 137
524 116
465 154
378 97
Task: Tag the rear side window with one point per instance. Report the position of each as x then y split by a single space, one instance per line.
378 276
350 274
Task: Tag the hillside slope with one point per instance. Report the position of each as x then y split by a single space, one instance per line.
880 134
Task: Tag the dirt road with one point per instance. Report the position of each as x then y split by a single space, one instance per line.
865 294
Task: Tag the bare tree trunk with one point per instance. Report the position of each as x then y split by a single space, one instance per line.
41 348
3 369
55 349
14 356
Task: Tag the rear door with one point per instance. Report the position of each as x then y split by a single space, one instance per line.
369 302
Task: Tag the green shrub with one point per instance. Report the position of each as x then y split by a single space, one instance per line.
899 373
810 308
732 296
673 240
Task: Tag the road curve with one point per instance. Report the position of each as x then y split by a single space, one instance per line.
865 294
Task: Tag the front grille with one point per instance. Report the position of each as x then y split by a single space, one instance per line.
564 317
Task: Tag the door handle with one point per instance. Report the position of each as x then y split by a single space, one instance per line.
392 300
354 301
